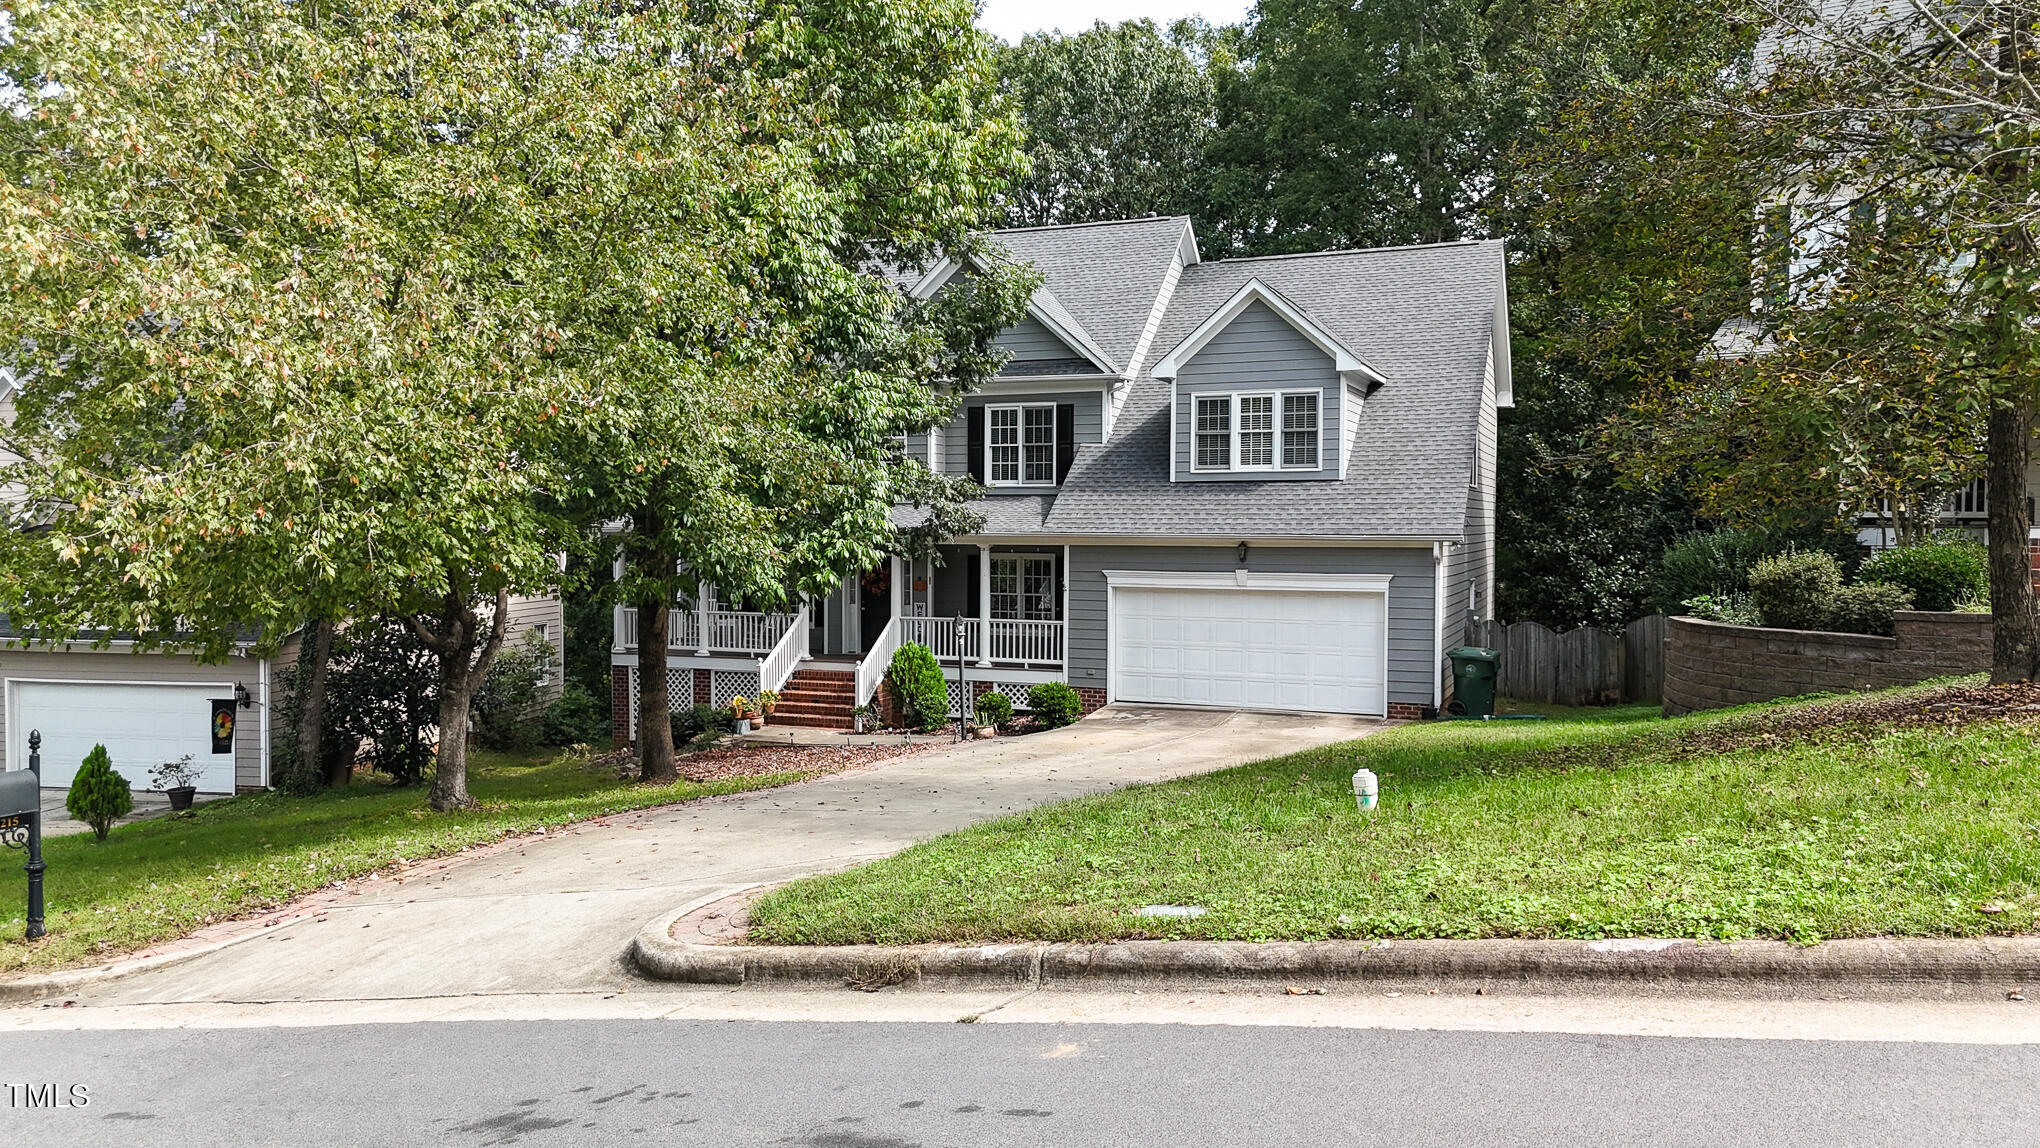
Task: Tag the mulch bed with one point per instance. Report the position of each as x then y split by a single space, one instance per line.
726 761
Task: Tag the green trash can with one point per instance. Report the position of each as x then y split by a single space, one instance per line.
1473 681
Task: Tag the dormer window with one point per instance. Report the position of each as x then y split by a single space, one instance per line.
1256 430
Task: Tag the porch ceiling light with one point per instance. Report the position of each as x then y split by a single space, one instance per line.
1242 551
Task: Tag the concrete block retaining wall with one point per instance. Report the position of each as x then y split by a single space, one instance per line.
1709 665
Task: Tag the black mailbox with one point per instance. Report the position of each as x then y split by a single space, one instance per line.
20 794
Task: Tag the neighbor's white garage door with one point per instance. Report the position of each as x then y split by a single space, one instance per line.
1255 649
139 725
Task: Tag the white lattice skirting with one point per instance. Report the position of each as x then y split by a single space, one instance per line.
679 693
726 684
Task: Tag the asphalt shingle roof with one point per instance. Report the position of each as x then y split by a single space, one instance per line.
1422 316
1106 274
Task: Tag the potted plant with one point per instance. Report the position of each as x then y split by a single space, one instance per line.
740 708
993 710
768 700
175 778
864 717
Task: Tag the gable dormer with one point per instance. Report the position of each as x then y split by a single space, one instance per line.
1260 392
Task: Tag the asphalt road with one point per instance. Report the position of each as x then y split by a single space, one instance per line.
911 1085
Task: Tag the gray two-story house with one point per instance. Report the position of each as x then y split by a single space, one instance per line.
1255 483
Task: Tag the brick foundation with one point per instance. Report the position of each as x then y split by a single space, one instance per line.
1712 664
1092 696
619 706
703 691
2033 562
1405 711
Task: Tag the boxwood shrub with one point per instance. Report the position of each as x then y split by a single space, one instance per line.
918 688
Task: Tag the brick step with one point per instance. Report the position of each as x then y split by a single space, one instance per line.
834 713
843 704
809 721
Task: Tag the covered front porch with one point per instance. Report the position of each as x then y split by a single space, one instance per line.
993 614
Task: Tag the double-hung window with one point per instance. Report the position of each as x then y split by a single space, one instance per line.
1020 445
1023 588
1256 430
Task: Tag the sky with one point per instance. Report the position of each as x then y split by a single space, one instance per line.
1012 19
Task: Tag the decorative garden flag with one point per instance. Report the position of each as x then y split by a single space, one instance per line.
223 725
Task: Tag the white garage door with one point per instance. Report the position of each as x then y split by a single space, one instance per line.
140 725
1255 649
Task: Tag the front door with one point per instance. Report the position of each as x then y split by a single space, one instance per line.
874 603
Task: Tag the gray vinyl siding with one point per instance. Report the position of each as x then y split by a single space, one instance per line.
82 665
1411 653
1030 340
1470 566
1260 351
1090 414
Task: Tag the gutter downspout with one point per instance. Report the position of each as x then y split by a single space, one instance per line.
263 672
1438 626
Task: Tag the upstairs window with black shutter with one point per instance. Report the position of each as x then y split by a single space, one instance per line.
1020 446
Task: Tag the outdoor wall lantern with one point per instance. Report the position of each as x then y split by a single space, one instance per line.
242 697
1243 552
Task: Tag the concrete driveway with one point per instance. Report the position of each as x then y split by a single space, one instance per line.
556 915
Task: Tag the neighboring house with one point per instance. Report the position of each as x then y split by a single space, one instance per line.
1260 483
150 707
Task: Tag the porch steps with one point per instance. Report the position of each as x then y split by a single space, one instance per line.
817 699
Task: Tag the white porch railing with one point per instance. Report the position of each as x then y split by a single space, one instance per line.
940 636
791 649
729 631
1018 641
871 667
1013 640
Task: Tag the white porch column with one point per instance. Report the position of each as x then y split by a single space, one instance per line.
984 605
701 617
898 581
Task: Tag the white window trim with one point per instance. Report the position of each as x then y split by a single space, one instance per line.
1233 406
1021 427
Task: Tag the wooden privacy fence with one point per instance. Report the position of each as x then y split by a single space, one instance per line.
1584 667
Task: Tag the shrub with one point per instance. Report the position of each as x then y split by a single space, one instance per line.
507 711
696 720
918 687
1796 590
577 718
1941 574
382 690
994 709
1733 608
1055 704
1711 564
99 796
1867 608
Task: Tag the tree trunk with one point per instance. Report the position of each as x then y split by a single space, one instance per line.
655 703
461 670
2015 627
308 772
449 774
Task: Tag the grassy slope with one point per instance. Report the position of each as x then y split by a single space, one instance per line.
1618 824
164 877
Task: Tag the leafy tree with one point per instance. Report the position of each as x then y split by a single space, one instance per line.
99 795
1117 117
1359 125
753 390
1904 136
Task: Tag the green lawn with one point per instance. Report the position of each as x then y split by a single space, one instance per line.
1755 823
161 878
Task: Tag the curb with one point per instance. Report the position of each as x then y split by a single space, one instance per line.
23 990
1998 964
